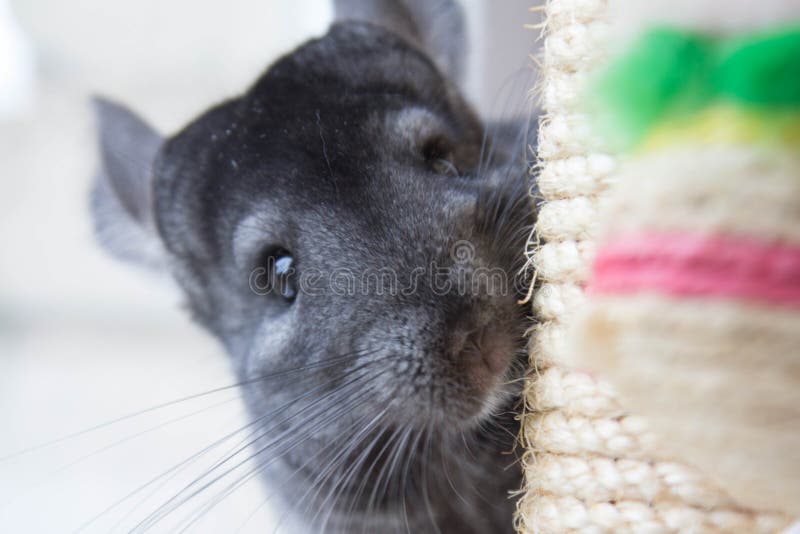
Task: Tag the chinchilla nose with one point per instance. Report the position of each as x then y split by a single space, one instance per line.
474 346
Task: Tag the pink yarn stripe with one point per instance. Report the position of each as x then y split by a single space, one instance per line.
686 264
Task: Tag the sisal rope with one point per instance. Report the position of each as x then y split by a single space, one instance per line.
587 463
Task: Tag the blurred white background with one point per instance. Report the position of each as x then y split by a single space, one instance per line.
84 339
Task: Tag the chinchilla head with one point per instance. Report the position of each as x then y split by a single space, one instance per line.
348 216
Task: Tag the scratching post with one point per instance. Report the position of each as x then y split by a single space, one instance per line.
589 462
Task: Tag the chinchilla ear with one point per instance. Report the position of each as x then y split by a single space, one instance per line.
122 200
436 26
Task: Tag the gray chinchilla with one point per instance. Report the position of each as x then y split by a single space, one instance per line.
354 235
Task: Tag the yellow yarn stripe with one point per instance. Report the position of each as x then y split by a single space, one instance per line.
730 124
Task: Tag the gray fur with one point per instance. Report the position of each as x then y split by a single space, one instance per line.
355 154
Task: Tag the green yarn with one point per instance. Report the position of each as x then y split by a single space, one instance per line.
669 73
765 70
653 79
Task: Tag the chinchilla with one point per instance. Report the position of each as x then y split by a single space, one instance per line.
354 235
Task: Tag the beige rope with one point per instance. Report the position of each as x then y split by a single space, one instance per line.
587 462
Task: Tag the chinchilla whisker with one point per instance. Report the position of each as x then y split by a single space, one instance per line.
251 438
390 465
404 504
368 450
485 431
406 466
357 468
466 445
387 482
385 449
425 496
173 471
271 376
340 454
515 189
474 490
228 490
50 477
354 470
170 473
180 498
405 478
446 472
513 91
331 451
390 449
350 448
490 144
311 459
396 463
516 374
515 101
520 195
205 508
342 411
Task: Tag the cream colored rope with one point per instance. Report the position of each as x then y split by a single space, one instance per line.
586 461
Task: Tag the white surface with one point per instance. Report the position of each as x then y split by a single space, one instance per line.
16 57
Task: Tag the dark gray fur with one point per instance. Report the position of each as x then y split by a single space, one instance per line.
328 155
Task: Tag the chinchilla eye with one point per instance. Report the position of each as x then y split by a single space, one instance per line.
438 154
283 271
276 274
444 166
